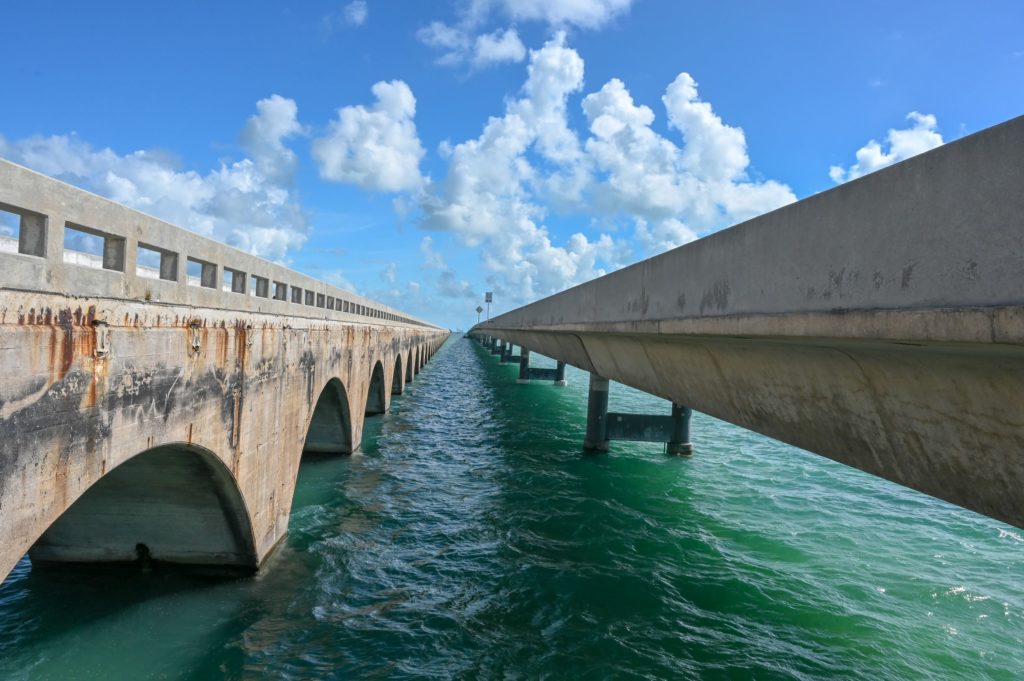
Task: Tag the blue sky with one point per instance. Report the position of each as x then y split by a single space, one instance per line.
425 152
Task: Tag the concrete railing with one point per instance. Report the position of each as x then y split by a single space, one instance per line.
925 250
70 241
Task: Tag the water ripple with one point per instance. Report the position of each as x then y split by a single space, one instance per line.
472 539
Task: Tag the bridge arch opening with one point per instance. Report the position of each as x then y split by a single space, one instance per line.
397 383
330 427
408 367
376 400
175 503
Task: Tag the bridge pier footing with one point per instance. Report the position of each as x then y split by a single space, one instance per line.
528 373
603 427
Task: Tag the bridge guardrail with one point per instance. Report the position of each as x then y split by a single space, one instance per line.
70 241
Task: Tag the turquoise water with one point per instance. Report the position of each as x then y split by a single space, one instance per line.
472 539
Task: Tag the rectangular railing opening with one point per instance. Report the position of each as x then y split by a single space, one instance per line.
297 294
234 281
320 298
280 290
156 263
309 298
260 286
89 247
22 231
201 273
10 230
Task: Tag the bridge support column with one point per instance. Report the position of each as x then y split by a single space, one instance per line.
495 346
524 365
560 374
506 353
679 444
597 415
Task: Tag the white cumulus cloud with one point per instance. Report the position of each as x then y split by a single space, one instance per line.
466 41
487 196
675 190
376 148
501 185
249 203
662 235
276 119
902 144
592 14
497 47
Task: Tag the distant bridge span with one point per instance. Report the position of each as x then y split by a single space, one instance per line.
159 388
880 323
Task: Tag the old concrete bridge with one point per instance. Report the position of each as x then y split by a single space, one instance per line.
159 388
880 324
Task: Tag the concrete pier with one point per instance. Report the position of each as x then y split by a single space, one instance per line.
597 415
604 426
524 366
560 373
679 443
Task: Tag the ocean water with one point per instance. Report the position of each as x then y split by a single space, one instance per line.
473 539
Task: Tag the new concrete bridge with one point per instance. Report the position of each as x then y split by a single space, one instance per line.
159 388
880 324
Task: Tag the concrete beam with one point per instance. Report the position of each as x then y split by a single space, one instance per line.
880 323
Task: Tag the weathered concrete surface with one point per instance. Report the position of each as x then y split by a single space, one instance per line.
215 385
46 264
880 323
240 389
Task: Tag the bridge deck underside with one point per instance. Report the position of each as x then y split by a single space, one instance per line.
945 419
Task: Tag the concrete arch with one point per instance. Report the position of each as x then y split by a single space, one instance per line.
408 367
174 503
398 377
329 429
376 396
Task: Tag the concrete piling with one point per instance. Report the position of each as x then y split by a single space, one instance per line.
524 366
679 444
597 415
